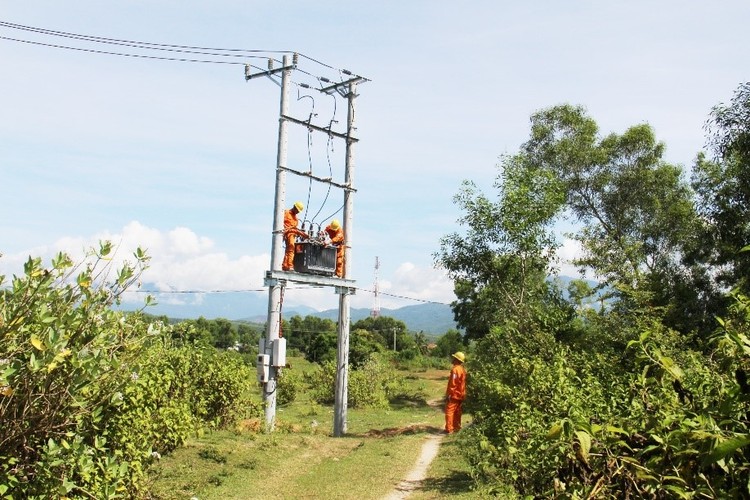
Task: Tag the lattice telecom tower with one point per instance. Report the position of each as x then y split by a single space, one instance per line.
376 304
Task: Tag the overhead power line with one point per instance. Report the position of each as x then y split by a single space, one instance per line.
249 290
122 54
209 52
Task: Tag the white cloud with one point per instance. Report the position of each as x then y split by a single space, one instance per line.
412 282
180 260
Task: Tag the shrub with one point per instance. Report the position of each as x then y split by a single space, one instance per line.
657 421
64 353
372 385
90 396
288 386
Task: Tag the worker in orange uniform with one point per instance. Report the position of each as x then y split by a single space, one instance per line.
336 236
455 393
290 235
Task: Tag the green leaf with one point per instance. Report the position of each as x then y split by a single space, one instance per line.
555 431
37 343
681 493
727 446
615 430
584 439
66 487
676 479
105 247
671 367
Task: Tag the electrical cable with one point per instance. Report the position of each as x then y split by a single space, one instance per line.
329 146
309 152
365 290
124 54
281 306
161 46
147 45
334 213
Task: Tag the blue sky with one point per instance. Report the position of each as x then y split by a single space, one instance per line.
180 157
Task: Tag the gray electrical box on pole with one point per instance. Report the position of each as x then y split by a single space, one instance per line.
272 349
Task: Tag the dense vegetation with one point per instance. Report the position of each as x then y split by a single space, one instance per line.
315 339
89 397
636 388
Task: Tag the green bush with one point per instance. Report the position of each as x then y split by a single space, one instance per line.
89 396
321 381
372 385
422 363
289 384
657 420
64 354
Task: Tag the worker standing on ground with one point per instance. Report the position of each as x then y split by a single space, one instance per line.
290 235
336 236
455 393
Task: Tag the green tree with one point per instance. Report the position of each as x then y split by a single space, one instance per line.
384 328
362 344
202 328
500 265
448 343
223 333
722 183
63 354
247 336
322 348
187 332
635 211
421 341
311 336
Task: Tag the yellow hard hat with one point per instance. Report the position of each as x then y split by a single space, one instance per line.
335 224
459 356
299 206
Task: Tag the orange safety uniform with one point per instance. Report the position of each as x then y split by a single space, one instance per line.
455 395
337 240
290 235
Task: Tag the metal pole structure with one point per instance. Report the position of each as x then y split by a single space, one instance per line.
275 289
342 359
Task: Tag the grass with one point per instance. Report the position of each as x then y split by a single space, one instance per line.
301 459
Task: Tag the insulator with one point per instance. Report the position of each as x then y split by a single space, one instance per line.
295 58
346 72
324 79
270 63
304 85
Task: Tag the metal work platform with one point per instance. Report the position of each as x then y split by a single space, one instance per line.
272 277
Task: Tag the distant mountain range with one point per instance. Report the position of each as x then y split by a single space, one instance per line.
433 319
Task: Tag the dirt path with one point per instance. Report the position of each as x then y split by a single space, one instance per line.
415 477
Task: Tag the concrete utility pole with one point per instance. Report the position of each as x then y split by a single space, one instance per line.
342 358
272 349
268 371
